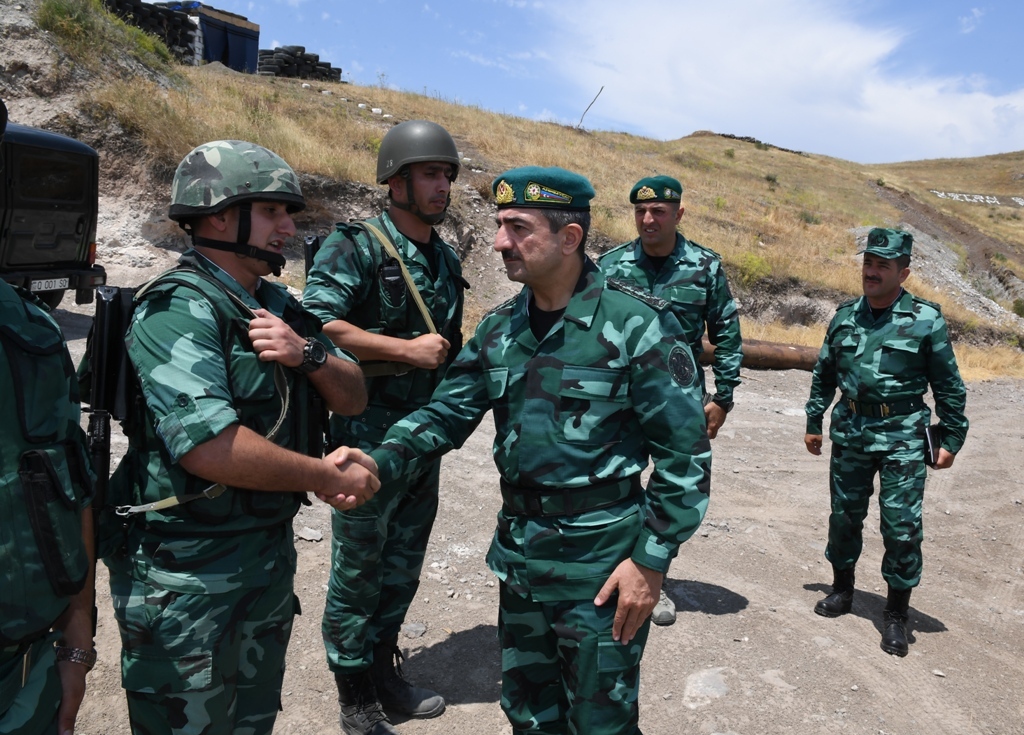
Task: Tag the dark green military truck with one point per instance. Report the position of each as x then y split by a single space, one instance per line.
49 203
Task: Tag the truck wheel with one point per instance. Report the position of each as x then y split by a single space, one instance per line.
50 298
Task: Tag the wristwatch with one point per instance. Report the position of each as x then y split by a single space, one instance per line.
76 655
314 355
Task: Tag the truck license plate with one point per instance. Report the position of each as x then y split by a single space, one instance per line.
48 284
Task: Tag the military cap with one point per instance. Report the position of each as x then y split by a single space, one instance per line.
547 188
656 189
889 244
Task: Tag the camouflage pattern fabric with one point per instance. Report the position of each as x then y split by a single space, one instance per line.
901 476
216 175
43 561
210 560
561 671
895 357
892 358
608 388
34 710
205 663
693 281
378 548
376 559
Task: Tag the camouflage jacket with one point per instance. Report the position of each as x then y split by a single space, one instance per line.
612 385
693 281
198 376
347 282
893 358
45 479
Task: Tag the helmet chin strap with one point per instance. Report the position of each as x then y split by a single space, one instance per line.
241 246
411 206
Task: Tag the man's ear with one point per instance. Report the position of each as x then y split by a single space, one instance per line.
572 235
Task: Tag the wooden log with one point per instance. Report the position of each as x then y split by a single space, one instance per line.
761 355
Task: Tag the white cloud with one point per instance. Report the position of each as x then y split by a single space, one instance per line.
801 74
970 22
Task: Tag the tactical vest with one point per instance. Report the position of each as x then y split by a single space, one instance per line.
388 309
148 473
44 475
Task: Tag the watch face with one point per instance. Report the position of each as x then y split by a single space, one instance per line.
317 352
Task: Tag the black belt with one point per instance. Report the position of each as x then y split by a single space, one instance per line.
882 410
544 502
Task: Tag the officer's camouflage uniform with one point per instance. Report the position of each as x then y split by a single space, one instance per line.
889 360
577 416
45 484
378 548
202 591
693 281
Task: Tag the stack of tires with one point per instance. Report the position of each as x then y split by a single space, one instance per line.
293 61
173 27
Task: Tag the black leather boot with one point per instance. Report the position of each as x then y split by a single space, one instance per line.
841 600
361 713
894 621
394 692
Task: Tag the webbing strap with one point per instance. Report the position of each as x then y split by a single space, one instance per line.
388 244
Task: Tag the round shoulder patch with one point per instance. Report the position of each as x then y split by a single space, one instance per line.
680 365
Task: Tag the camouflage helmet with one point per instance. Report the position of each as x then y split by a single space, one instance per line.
415 141
224 173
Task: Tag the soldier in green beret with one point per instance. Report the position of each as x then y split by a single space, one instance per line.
46 539
588 379
691 279
390 290
882 352
224 442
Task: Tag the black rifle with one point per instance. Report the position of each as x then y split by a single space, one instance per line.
107 379
310 246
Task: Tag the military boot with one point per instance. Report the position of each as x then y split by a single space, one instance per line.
894 621
361 713
395 693
664 612
841 600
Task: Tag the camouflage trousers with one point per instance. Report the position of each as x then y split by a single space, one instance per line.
377 553
30 709
561 672
203 664
901 476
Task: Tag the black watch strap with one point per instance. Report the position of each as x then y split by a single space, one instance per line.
314 356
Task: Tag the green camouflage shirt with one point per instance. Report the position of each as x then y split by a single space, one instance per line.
345 282
198 379
45 477
611 386
693 281
892 358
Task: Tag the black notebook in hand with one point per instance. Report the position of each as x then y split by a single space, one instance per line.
932 440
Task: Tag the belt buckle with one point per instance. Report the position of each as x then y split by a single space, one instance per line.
852 405
885 410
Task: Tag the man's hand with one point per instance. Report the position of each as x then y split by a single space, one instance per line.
813 442
72 685
357 482
945 460
274 340
638 589
715 416
427 351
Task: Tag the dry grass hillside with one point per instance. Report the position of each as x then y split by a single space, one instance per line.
785 223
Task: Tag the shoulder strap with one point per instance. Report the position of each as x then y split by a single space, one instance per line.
384 238
280 382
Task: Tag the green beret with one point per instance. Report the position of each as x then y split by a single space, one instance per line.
547 188
656 189
889 244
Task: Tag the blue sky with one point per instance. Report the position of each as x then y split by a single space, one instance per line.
870 81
